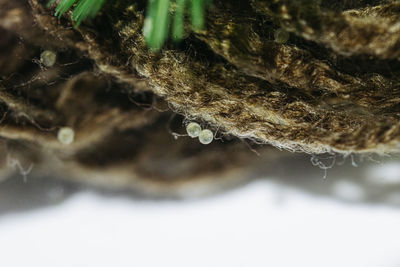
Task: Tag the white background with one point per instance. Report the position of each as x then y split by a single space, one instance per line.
261 224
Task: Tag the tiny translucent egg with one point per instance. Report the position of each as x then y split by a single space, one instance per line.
48 58
193 129
66 135
281 36
206 137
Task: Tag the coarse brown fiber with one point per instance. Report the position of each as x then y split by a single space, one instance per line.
333 87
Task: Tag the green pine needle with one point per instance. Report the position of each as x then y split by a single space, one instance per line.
83 9
157 23
197 14
86 9
178 26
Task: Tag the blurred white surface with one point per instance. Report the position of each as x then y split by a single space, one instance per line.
262 224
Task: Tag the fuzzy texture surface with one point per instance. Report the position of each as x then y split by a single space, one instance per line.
334 86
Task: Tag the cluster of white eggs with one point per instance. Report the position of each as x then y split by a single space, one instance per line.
66 135
194 130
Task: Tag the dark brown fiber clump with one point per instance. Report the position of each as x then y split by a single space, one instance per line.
334 86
